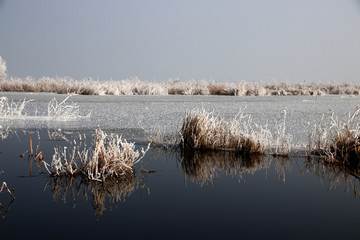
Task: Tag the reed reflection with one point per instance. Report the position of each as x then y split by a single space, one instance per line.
103 195
4 208
334 175
203 167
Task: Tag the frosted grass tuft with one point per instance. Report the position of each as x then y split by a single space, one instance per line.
337 140
201 130
64 111
109 156
12 109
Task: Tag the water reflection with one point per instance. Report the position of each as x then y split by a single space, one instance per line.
333 175
103 195
204 167
4 208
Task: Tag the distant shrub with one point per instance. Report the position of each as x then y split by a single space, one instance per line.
2 69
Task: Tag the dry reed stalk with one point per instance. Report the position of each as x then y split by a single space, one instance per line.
4 185
34 157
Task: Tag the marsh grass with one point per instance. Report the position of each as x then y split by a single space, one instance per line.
338 141
134 86
12 109
64 110
201 130
103 195
281 141
109 156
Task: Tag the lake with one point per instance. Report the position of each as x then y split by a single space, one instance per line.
207 195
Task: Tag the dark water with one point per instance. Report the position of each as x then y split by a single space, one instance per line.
191 195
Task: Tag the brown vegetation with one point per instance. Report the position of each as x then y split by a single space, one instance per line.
134 86
338 141
108 157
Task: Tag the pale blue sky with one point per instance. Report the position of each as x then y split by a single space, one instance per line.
251 40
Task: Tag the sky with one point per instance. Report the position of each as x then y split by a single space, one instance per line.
158 40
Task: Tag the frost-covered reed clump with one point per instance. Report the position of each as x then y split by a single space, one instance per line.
202 130
12 109
109 156
337 140
63 110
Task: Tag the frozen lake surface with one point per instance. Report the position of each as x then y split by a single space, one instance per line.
190 195
131 115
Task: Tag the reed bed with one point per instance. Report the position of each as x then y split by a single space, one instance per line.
108 157
134 86
338 141
201 130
